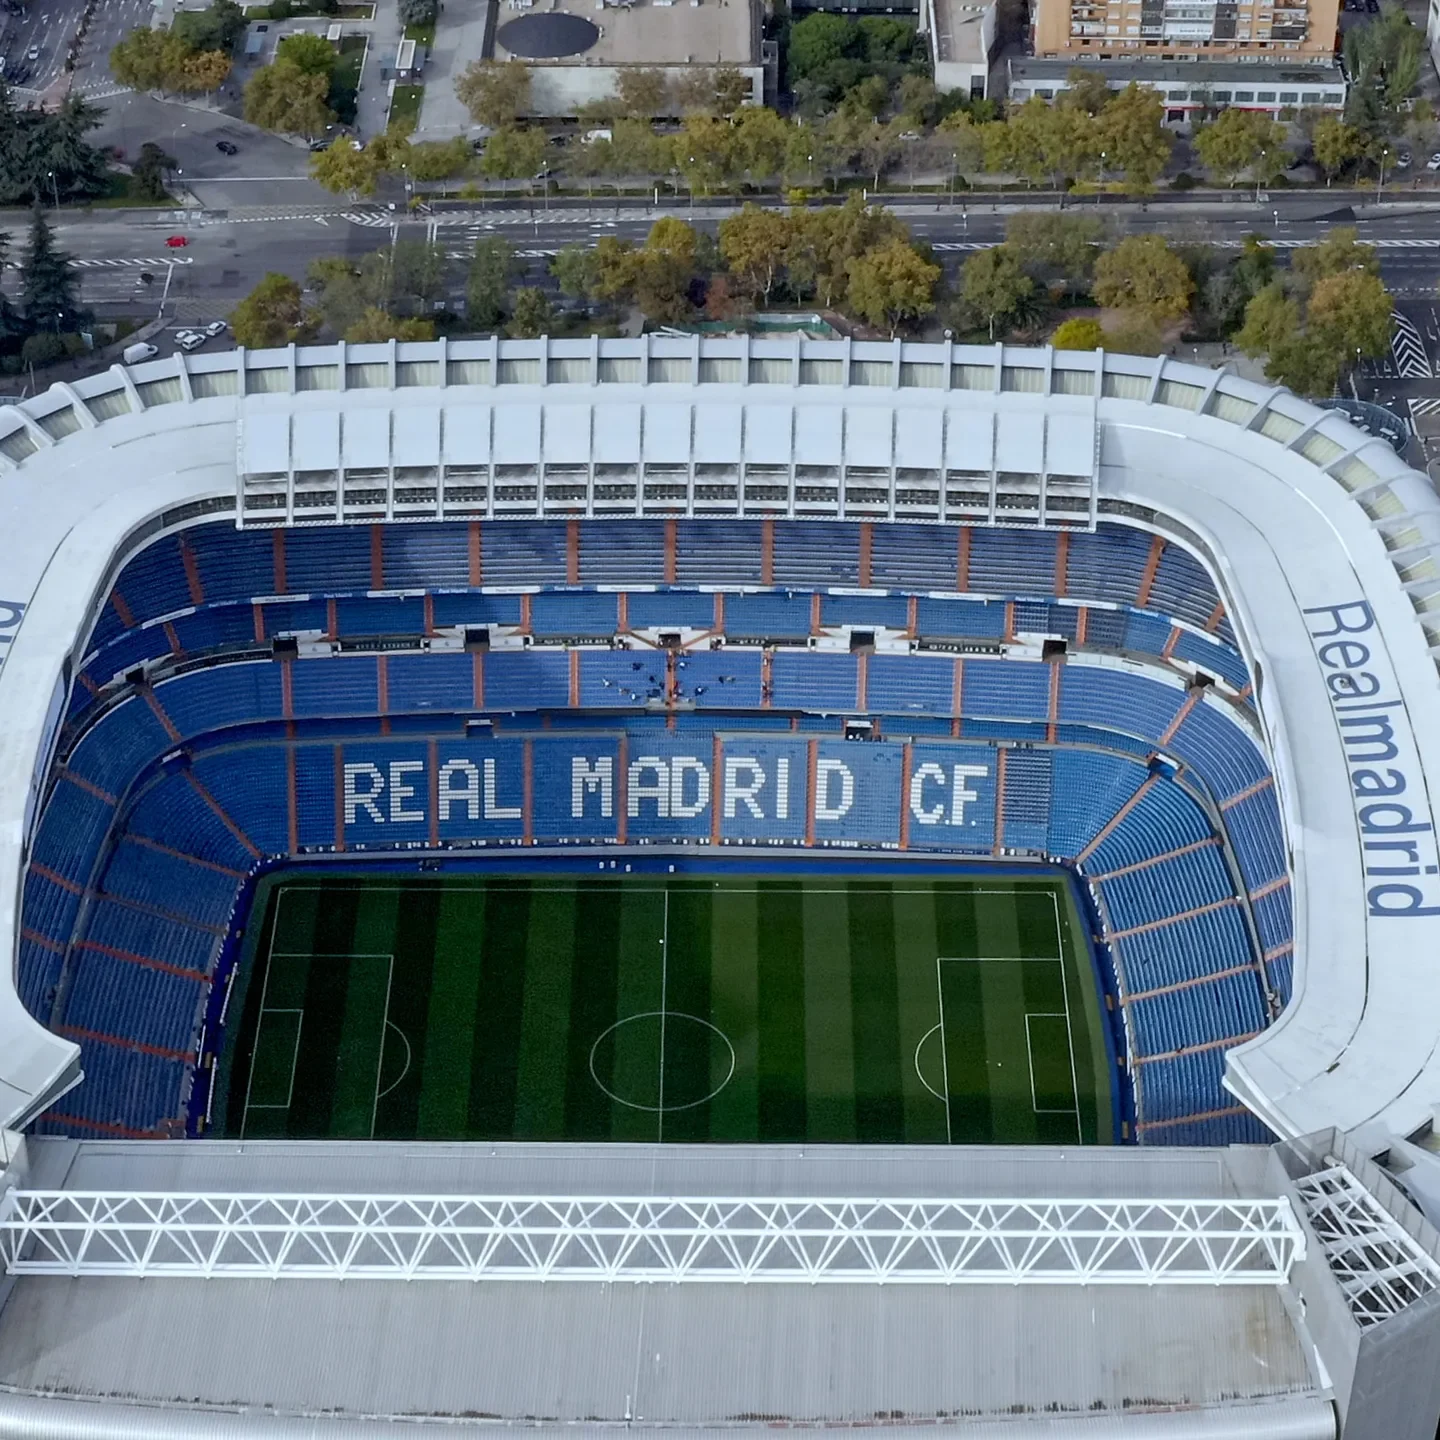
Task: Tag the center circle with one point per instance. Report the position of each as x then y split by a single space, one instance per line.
662 1061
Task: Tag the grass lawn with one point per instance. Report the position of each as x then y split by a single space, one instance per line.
421 35
795 1008
405 106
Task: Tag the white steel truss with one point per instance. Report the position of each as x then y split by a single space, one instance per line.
649 1239
1379 1266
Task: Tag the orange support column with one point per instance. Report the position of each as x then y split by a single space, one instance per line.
867 539
672 552
377 557
339 798
572 552
292 806
1000 799
278 557
767 552
477 568
1157 549
432 749
1062 562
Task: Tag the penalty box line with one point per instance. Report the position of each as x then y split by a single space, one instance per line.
1030 1015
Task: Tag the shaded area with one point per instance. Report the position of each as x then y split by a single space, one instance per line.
548 37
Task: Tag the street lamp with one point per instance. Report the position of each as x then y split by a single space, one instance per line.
1259 171
54 187
1380 188
1101 186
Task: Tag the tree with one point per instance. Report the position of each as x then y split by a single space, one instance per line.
1054 141
1229 292
270 315
420 13
964 141
762 142
495 93
41 349
513 154
150 60
643 92
149 170
1131 134
1242 140
1338 252
1055 245
705 153
891 285
282 98
309 54
993 284
487 286
344 292
49 285
376 325
411 276
204 71
217 28
1350 315
1085 90
532 315
1078 333
754 244
1142 273
344 167
1336 145
825 242
439 159
880 147
574 270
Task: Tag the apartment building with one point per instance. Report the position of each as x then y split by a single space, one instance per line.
1288 30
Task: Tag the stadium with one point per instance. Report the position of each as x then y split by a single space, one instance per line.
706 884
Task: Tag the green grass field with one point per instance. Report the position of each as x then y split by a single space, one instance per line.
655 1007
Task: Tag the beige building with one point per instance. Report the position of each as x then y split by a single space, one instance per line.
1287 30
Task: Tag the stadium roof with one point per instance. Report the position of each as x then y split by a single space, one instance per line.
1323 542
702 1356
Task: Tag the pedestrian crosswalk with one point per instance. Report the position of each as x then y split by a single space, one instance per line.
112 262
1428 405
1406 345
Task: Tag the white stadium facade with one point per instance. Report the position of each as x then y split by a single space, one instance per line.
1180 1286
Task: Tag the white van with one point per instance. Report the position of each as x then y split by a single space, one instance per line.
134 354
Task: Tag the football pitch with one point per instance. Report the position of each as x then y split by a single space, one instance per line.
655 1007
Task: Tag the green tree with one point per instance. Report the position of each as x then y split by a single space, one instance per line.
817 42
642 91
1272 318
439 159
495 93
218 27
754 244
49 284
309 54
1338 252
41 349
1054 244
1054 141
827 240
419 13
964 141
1350 314
149 170
1242 140
282 98
1078 333
487 287
705 153
994 285
150 60
1229 291
1085 90
574 270
513 154
270 315
344 167
762 143
375 326
1143 274
880 147
343 292
892 285
1336 145
532 315
1130 132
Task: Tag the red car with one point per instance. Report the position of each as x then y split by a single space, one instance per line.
175 242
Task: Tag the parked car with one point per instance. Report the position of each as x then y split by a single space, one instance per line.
176 242
134 354
1433 163
225 147
1402 160
215 327
188 339
33 54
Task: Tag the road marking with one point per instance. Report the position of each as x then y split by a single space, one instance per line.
1408 348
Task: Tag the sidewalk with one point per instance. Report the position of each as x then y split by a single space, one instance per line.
372 103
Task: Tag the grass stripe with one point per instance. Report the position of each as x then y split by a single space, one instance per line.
594 970
635 1048
495 1061
368 969
781 1021
829 1018
449 1035
918 1011
402 1075
545 1020
735 1008
875 1012
696 1060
